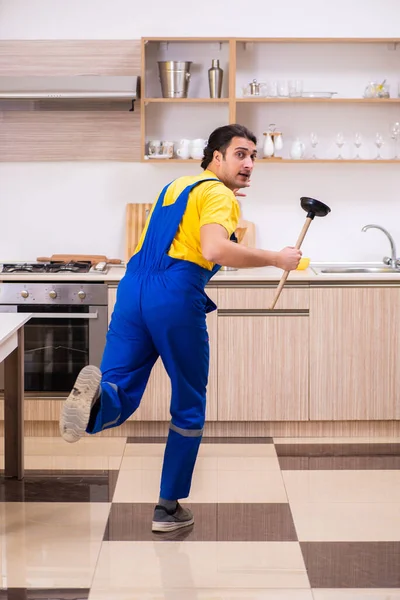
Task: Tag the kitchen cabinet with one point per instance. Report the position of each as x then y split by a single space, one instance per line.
355 353
156 399
262 355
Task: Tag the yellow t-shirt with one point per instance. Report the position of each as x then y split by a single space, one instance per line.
210 202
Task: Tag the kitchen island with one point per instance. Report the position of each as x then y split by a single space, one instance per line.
12 352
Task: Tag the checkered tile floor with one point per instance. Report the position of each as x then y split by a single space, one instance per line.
284 519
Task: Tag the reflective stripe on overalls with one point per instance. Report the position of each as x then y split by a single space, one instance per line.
161 311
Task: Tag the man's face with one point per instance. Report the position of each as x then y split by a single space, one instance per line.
236 167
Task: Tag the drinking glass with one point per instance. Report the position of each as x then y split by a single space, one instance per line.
340 144
378 144
395 131
357 143
314 143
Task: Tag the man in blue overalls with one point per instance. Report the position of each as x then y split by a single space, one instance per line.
161 310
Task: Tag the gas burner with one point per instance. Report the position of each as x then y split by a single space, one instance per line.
22 268
70 267
49 267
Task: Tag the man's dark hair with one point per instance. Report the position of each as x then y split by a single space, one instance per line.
221 138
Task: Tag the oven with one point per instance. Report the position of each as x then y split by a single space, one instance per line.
67 331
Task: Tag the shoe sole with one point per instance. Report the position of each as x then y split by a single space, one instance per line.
75 412
168 526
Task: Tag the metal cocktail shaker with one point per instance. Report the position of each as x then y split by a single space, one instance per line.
215 76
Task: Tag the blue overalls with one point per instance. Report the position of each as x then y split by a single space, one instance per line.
160 311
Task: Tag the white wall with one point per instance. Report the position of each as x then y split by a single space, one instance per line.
79 207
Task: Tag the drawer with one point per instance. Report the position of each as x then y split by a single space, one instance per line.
260 298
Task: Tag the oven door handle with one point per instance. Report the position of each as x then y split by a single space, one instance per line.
39 315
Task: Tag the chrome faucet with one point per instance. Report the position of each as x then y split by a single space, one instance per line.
394 262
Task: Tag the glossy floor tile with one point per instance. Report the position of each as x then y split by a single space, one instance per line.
323 521
352 565
199 565
343 486
50 545
199 594
357 594
207 486
210 449
337 456
206 463
213 522
60 486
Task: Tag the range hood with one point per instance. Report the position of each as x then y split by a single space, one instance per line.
69 87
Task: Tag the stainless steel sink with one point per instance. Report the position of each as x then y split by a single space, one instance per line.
360 270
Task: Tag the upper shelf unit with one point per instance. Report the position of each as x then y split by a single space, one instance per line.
285 81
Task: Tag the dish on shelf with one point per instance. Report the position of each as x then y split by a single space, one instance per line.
161 156
318 94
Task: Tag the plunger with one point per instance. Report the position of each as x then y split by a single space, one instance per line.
313 208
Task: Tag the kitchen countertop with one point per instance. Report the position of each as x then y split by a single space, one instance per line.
261 274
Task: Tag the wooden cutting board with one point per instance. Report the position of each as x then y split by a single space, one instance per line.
249 237
92 258
136 216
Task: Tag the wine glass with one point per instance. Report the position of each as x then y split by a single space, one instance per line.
357 143
395 131
314 143
378 144
339 144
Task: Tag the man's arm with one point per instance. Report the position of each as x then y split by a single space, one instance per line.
217 248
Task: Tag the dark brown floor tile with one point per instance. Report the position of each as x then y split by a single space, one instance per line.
338 456
338 463
205 440
338 449
352 564
213 522
60 486
32 594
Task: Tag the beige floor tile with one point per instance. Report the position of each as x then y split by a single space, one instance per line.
207 486
199 594
358 594
346 522
50 544
207 450
240 450
342 486
198 565
336 440
87 446
207 463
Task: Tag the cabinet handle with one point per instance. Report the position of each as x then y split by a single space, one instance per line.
263 312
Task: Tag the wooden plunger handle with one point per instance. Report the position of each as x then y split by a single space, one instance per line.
286 273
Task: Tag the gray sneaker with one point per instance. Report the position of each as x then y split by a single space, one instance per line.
169 520
75 412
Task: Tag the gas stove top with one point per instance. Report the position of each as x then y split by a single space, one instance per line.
53 267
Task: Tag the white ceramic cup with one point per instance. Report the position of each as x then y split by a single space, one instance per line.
198 143
197 152
183 150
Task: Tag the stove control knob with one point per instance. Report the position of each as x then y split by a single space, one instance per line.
81 294
25 293
53 294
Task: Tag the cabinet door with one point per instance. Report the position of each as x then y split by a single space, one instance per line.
156 399
262 367
355 353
